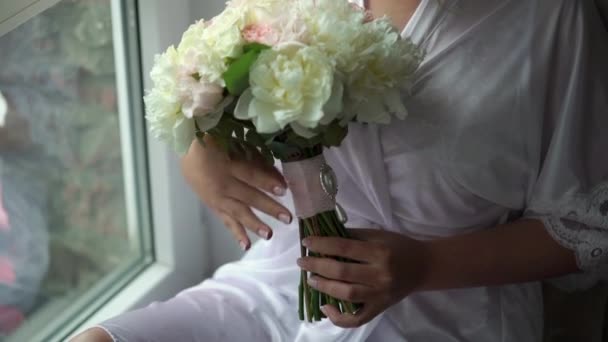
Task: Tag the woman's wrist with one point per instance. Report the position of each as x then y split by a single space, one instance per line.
518 252
435 266
449 263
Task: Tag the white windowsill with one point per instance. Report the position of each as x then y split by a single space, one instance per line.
158 282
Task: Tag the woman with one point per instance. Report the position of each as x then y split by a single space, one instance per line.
498 179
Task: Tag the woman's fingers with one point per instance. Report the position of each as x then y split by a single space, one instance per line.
237 231
255 198
346 320
337 270
354 293
232 187
241 213
341 247
259 176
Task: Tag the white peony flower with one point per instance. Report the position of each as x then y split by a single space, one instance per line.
281 18
163 104
192 37
223 35
373 59
259 11
3 110
199 98
333 26
206 47
385 63
203 102
292 84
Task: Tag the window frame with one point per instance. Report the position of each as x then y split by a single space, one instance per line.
179 224
178 220
14 12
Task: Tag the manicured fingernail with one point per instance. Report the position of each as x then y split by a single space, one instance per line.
305 242
300 262
263 233
279 191
285 218
312 282
243 245
324 309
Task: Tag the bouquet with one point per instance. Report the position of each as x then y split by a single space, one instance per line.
285 77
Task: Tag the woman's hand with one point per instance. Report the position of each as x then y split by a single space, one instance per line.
390 267
232 186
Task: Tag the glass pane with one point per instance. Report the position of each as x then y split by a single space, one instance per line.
66 227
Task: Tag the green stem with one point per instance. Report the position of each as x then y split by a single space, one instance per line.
315 305
301 300
308 303
324 300
304 274
322 224
302 277
334 302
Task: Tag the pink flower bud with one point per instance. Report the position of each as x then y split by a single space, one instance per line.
260 33
200 98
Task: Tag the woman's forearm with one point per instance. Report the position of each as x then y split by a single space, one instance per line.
517 252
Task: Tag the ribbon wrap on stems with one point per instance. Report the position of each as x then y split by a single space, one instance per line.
304 178
314 187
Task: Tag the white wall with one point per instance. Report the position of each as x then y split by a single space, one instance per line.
206 8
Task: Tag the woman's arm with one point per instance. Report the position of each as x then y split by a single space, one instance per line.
517 252
391 266
93 335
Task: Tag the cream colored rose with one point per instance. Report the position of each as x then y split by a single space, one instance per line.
259 11
223 35
333 26
291 85
202 101
163 105
382 70
199 98
206 47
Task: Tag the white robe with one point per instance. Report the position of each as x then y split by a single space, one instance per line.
509 117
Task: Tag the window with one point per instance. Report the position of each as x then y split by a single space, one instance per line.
95 217
74 223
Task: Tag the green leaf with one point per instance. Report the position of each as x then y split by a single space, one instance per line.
239 133
268 156
242 123
270 137
255 139
334 134
237 75
301 142
221 140
283 151
255 47
222 133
